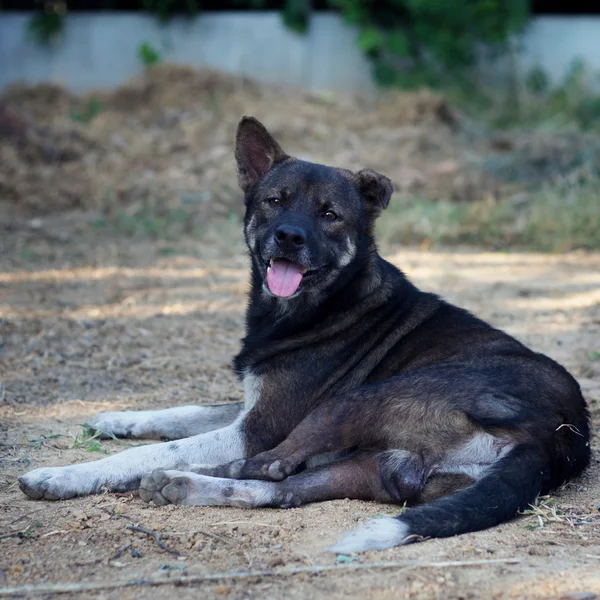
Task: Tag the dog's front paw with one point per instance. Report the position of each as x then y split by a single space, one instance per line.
59 483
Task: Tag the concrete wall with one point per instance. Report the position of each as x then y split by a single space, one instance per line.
100 50
553 43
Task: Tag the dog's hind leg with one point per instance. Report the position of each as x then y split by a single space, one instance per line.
392 476
170 423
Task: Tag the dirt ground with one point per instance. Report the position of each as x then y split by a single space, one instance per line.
91 323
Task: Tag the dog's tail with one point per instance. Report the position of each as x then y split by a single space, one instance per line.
509 487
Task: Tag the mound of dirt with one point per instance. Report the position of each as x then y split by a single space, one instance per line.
166 139
41 166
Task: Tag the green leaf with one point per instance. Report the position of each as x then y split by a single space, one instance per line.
398 43
148 55
370 40
295 15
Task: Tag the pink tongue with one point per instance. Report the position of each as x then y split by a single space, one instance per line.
284 277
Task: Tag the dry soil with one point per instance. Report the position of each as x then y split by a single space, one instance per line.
89 323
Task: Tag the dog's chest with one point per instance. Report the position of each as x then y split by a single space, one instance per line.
302 373
253 384
283 384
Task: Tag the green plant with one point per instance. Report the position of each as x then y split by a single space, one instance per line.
572 101
545 510
91 110
164 9
148 55
429 42
537 81
88 440
557 219
296 14
149 221
45 26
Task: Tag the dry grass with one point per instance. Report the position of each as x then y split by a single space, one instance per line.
154 159
551 220
166 139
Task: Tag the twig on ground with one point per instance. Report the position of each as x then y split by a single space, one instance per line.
112 513
17 534
69 588
56 532
135 527
156 537
248 523
119 552
21 517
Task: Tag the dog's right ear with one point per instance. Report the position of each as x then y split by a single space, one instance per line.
255 152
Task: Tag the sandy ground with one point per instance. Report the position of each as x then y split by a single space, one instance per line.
88 325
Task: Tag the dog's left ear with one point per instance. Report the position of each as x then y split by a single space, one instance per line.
376 190
255 152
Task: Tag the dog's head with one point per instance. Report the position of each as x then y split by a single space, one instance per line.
305 223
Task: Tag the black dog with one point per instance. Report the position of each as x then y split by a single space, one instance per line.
356 383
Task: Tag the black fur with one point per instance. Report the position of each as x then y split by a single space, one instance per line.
365 340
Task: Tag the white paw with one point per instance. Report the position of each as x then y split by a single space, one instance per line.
60 483
376 534
123 424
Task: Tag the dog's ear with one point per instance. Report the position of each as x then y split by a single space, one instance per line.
376 190
255 152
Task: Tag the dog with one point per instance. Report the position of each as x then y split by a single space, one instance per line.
356 384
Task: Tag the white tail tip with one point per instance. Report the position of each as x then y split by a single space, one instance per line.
376 534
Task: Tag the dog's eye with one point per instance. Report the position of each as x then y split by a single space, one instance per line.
274 201
330 216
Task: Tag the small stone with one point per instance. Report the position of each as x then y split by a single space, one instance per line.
222 590
538 551
276 562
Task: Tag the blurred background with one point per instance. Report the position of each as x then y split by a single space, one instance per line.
123 276
486 114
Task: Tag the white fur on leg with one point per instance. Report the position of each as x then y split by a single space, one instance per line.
124 470
180 487
173 423
376 534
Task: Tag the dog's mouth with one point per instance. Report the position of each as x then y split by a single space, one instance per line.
284 277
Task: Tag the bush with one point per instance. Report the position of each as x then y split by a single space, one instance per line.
429 42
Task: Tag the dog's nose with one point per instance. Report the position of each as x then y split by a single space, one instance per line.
290 237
